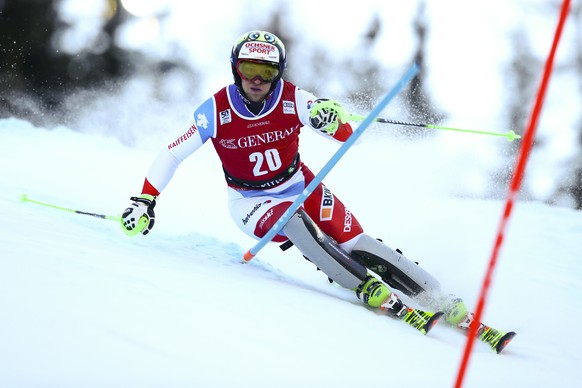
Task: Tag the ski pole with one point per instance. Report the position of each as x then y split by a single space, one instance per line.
329 165
24 198
510 135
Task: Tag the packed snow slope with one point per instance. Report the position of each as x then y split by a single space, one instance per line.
83 305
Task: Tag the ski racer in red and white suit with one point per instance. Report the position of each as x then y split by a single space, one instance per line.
254 126
260 157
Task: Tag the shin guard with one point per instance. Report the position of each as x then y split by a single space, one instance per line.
323 251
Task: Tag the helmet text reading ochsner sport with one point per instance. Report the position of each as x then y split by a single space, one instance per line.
261 48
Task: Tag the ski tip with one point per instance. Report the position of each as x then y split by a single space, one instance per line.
504 341
432 322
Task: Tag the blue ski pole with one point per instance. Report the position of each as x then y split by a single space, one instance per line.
248 256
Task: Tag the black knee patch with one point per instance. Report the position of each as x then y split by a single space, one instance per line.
389 273
394 268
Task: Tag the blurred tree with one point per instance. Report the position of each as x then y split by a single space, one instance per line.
521 79
35 73
420 106
365 85
573 184
321 71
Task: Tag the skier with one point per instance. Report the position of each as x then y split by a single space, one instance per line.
254 126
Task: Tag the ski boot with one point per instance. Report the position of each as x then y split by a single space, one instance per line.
459 316
376 294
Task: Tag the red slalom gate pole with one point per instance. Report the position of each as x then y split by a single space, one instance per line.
514 187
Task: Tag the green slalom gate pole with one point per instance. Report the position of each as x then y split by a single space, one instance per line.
248 256
510 135
24 198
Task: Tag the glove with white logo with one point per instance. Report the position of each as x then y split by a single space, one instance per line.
139 217
326 115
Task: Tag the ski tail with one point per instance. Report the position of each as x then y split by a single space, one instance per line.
497 339
422 321
458 315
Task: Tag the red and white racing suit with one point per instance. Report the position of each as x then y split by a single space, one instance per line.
260 159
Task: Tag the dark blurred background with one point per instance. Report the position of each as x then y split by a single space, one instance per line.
36 73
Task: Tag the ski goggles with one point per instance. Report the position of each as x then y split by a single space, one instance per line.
248 70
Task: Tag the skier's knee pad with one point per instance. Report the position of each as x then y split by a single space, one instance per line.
323 251
394 268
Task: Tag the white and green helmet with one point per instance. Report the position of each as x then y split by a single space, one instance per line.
258 46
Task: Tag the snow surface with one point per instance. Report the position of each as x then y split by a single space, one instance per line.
83 305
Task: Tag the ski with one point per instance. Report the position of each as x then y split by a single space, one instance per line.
496 339
422 321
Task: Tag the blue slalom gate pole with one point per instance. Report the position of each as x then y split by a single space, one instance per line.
248 256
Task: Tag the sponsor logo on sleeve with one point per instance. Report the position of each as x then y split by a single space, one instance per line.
202 121
188 134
